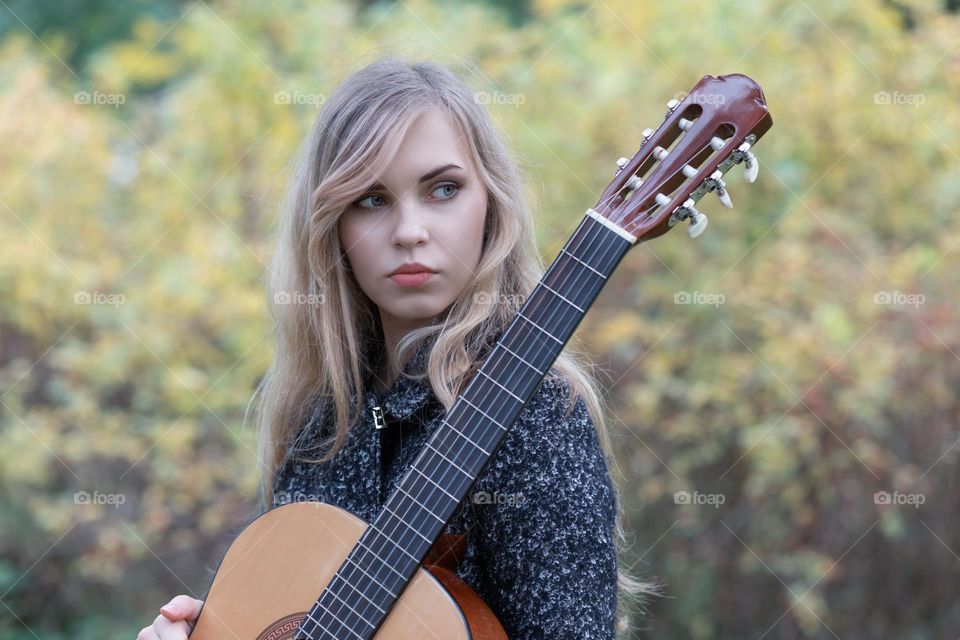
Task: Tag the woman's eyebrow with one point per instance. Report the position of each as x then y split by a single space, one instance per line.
427 176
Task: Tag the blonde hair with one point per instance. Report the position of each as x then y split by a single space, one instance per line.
352 141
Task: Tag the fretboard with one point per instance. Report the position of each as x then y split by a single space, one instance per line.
374 574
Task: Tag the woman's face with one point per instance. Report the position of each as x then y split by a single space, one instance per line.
429 207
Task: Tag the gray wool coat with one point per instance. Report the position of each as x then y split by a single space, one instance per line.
538 521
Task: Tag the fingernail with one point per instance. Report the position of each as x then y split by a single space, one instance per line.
172 609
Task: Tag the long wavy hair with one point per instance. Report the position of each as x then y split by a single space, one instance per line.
322 348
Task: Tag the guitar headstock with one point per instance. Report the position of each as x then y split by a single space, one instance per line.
703 136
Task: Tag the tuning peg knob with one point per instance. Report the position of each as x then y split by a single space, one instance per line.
698 222
751 167
647 133
724 198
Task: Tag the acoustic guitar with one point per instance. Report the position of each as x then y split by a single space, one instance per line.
310 570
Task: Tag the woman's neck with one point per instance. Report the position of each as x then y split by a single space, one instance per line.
394 329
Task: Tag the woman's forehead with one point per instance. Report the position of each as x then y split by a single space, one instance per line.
432 140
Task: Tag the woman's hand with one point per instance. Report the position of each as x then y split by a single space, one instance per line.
176 620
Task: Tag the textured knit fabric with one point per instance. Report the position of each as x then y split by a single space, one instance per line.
538 521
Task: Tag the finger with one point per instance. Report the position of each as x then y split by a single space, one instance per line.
168 630
147 633
182 607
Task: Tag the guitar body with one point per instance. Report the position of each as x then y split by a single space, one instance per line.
273 571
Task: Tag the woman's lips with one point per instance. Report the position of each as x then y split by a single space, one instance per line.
412 279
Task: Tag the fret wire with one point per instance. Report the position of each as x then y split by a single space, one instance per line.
376 556
465 437
404 492
583 263
432 481
432 448
324 630
510 351
361 594
367 598
552 337
369 575
362 619
408 525
532 344
483 413
316 621
561 296
487 376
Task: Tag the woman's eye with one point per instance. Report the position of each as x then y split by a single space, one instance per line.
447 190
371 205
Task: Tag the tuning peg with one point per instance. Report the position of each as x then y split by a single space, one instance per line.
673 104
659 153
633 183
717 143
647 133
684 124
686 211
621 163
719 186
751 166
698 222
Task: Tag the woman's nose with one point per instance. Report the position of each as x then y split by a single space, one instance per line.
410 226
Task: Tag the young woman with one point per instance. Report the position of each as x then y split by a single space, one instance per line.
405 250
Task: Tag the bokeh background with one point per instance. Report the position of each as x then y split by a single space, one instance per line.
783 389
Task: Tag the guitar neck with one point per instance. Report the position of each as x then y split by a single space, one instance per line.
358 598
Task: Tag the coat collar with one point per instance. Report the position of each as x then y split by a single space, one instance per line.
407 395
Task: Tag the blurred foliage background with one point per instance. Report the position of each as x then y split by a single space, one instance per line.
783 389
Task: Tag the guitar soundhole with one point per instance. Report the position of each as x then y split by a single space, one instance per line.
283 629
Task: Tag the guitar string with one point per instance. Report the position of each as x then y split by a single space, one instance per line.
409 517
